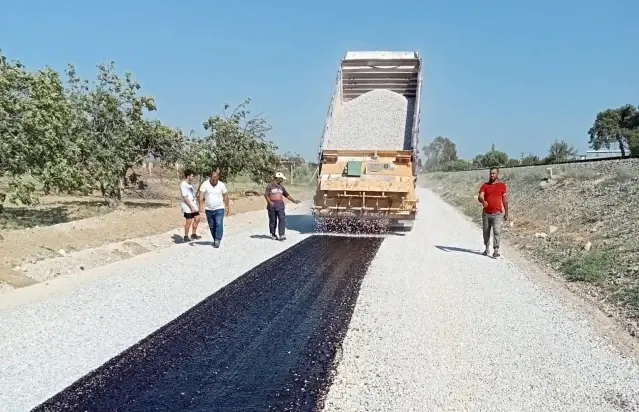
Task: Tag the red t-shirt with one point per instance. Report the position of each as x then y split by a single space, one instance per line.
493 195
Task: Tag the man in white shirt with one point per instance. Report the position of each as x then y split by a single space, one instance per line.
189 207
215 202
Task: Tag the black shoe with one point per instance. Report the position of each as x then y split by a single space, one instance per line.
485 252
496 254
195 237
186 239
274 237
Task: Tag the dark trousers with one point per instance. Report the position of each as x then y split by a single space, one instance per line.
276 218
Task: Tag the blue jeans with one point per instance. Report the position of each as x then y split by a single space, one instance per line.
215 218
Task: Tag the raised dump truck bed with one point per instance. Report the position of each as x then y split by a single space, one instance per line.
368 153
375 101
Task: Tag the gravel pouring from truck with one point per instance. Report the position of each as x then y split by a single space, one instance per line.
368 155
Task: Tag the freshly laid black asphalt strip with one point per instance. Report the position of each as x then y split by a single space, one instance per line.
266 341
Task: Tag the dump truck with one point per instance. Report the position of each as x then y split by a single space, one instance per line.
368 154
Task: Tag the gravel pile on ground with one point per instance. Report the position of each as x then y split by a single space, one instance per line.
374 120
456 331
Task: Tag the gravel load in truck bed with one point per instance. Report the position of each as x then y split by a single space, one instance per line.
380 119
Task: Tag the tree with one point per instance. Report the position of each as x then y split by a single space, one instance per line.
456 165
614 126
492 158
440 151
633 138
36 123
478 161
560 151
112 136
235 144
530 160
633 142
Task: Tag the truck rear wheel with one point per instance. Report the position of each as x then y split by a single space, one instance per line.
401 226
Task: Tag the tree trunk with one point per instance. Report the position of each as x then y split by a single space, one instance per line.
622 148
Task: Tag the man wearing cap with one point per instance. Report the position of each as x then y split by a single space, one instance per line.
274 195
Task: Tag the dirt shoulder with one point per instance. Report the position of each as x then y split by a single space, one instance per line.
38 252
579 223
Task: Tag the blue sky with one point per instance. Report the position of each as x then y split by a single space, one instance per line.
517 74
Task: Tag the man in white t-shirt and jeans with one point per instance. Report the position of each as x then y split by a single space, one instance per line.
189 206
215 202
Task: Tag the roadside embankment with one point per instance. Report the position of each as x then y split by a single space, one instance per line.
581 220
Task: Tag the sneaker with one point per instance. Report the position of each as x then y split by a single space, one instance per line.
195 237
274 237
216 244
485 252
496 254
186 239
283 237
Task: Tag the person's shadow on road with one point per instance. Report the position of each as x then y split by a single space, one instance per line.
458 249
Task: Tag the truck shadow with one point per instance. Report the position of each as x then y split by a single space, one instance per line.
303 224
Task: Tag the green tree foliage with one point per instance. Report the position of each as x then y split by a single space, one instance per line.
36 121
439 152
615 126
560 151
530 160
76 138
235 144
112 134
80 136
456 166
491 158
633 142
302 170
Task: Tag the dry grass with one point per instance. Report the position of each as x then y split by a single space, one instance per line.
79 222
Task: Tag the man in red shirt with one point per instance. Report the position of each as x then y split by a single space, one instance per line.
493 196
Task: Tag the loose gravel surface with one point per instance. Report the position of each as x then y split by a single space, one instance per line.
593 205
375 120
53 334
265 342
436 327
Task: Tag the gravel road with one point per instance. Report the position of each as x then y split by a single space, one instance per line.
266 341
55 333
436 327
440 328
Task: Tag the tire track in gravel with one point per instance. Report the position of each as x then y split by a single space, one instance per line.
266 341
